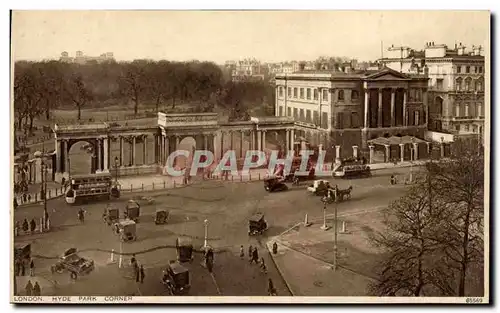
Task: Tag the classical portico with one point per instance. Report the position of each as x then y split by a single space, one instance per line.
394 104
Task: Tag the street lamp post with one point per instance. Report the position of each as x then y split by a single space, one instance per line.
335 230
324 226
412 151
205 244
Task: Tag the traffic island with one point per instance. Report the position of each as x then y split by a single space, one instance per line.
305 257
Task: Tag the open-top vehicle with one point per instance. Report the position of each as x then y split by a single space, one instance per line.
352 171
319 187
176 279
73 263
257 224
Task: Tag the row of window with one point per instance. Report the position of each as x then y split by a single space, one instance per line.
466 127
307 116
467 112
312 93
469 69
467 84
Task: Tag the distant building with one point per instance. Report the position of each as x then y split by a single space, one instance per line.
247 70
456 84
80 58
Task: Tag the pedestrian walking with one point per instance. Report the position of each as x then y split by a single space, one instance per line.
25 225
133 261
242 252
250 250
25 197
142 274
23 269
263 266
137 274
73 275
37 290
255 256
270 288
29 288
32 225
29 198
275 248
32 268
46 219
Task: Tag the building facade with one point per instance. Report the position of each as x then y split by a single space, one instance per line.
80 58
456 84
350 109
248 70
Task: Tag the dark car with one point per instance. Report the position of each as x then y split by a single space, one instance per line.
273 183
184 247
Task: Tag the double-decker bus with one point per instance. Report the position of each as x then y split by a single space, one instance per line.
90 187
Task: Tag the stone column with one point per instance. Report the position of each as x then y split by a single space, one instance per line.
415 151
177 142
259 138
160 149
291 142
106 155
372 148
121 150
144 149
263 140
221 145
387 153
367 99
58 157
393 111
337 154
214 143
242 135
252 140
428 149
205 142
442 149
402 151
167 148
99 155
287 140
65 157
231 140
379 115
404 107
133 150
355 152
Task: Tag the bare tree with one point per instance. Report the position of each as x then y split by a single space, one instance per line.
407 267
133 81
459 183
78 93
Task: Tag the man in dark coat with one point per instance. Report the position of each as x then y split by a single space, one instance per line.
25 225
250 250
32 225
32 268
29 288
270 288
142 274
255 256
36 290
137 274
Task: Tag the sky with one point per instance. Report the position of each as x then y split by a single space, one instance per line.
270 36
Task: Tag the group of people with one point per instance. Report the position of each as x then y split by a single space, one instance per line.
138 270
253 256
30 226
33 290
20 266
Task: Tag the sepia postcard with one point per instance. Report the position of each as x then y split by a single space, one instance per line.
250 157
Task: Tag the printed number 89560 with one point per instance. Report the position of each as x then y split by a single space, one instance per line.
474 300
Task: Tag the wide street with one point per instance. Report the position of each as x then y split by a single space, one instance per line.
227 207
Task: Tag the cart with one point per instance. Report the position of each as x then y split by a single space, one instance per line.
257 224
126 229
111 215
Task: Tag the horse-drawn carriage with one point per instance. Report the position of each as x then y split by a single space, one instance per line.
328 192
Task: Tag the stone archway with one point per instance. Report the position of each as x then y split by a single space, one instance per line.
82 157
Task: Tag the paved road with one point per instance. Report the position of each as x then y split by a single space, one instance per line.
226 205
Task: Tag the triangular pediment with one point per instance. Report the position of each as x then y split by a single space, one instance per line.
387 74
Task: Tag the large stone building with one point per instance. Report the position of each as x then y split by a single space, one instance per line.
80 58
347 110
247 70
456 84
